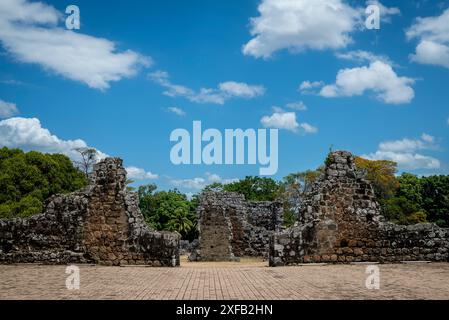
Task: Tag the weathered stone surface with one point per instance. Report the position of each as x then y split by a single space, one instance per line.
186 247
231 227
340 222
99 224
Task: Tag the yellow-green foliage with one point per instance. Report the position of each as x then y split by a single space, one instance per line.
381 173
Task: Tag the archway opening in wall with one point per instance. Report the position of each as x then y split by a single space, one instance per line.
216 243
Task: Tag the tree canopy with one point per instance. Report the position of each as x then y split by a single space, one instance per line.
27 179
408 199
254 188
293 187
168 210
435 199
381 173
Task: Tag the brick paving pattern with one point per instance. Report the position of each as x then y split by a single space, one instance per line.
244 280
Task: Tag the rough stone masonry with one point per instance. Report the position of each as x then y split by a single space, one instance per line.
340 222
99 224
231 227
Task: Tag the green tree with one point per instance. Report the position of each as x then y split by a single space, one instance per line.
293 188
300 181
435 199
403 211
410 187
145 194
382 174
181 221
405 206
214 187
27 179
255 188
168 210
419 200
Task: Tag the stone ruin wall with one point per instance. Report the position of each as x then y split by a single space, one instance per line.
231 227
99 224
340 222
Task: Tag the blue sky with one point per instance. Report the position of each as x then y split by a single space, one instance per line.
134 72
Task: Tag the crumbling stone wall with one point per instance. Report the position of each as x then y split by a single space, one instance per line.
340 222
99 224
231 227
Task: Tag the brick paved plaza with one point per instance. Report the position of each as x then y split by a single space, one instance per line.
244 280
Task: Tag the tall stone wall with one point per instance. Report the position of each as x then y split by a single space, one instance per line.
231 227
340 222
99 224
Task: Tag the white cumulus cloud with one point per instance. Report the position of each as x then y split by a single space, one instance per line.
28 134
225 91
363 56
307 87
379 78
298 106
300 25
29 32
308 128
172 90
136 173
199 183
430 52
8 109
281 119
177 111
195 183
426 141
240 89
405 153
407 161
433 36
